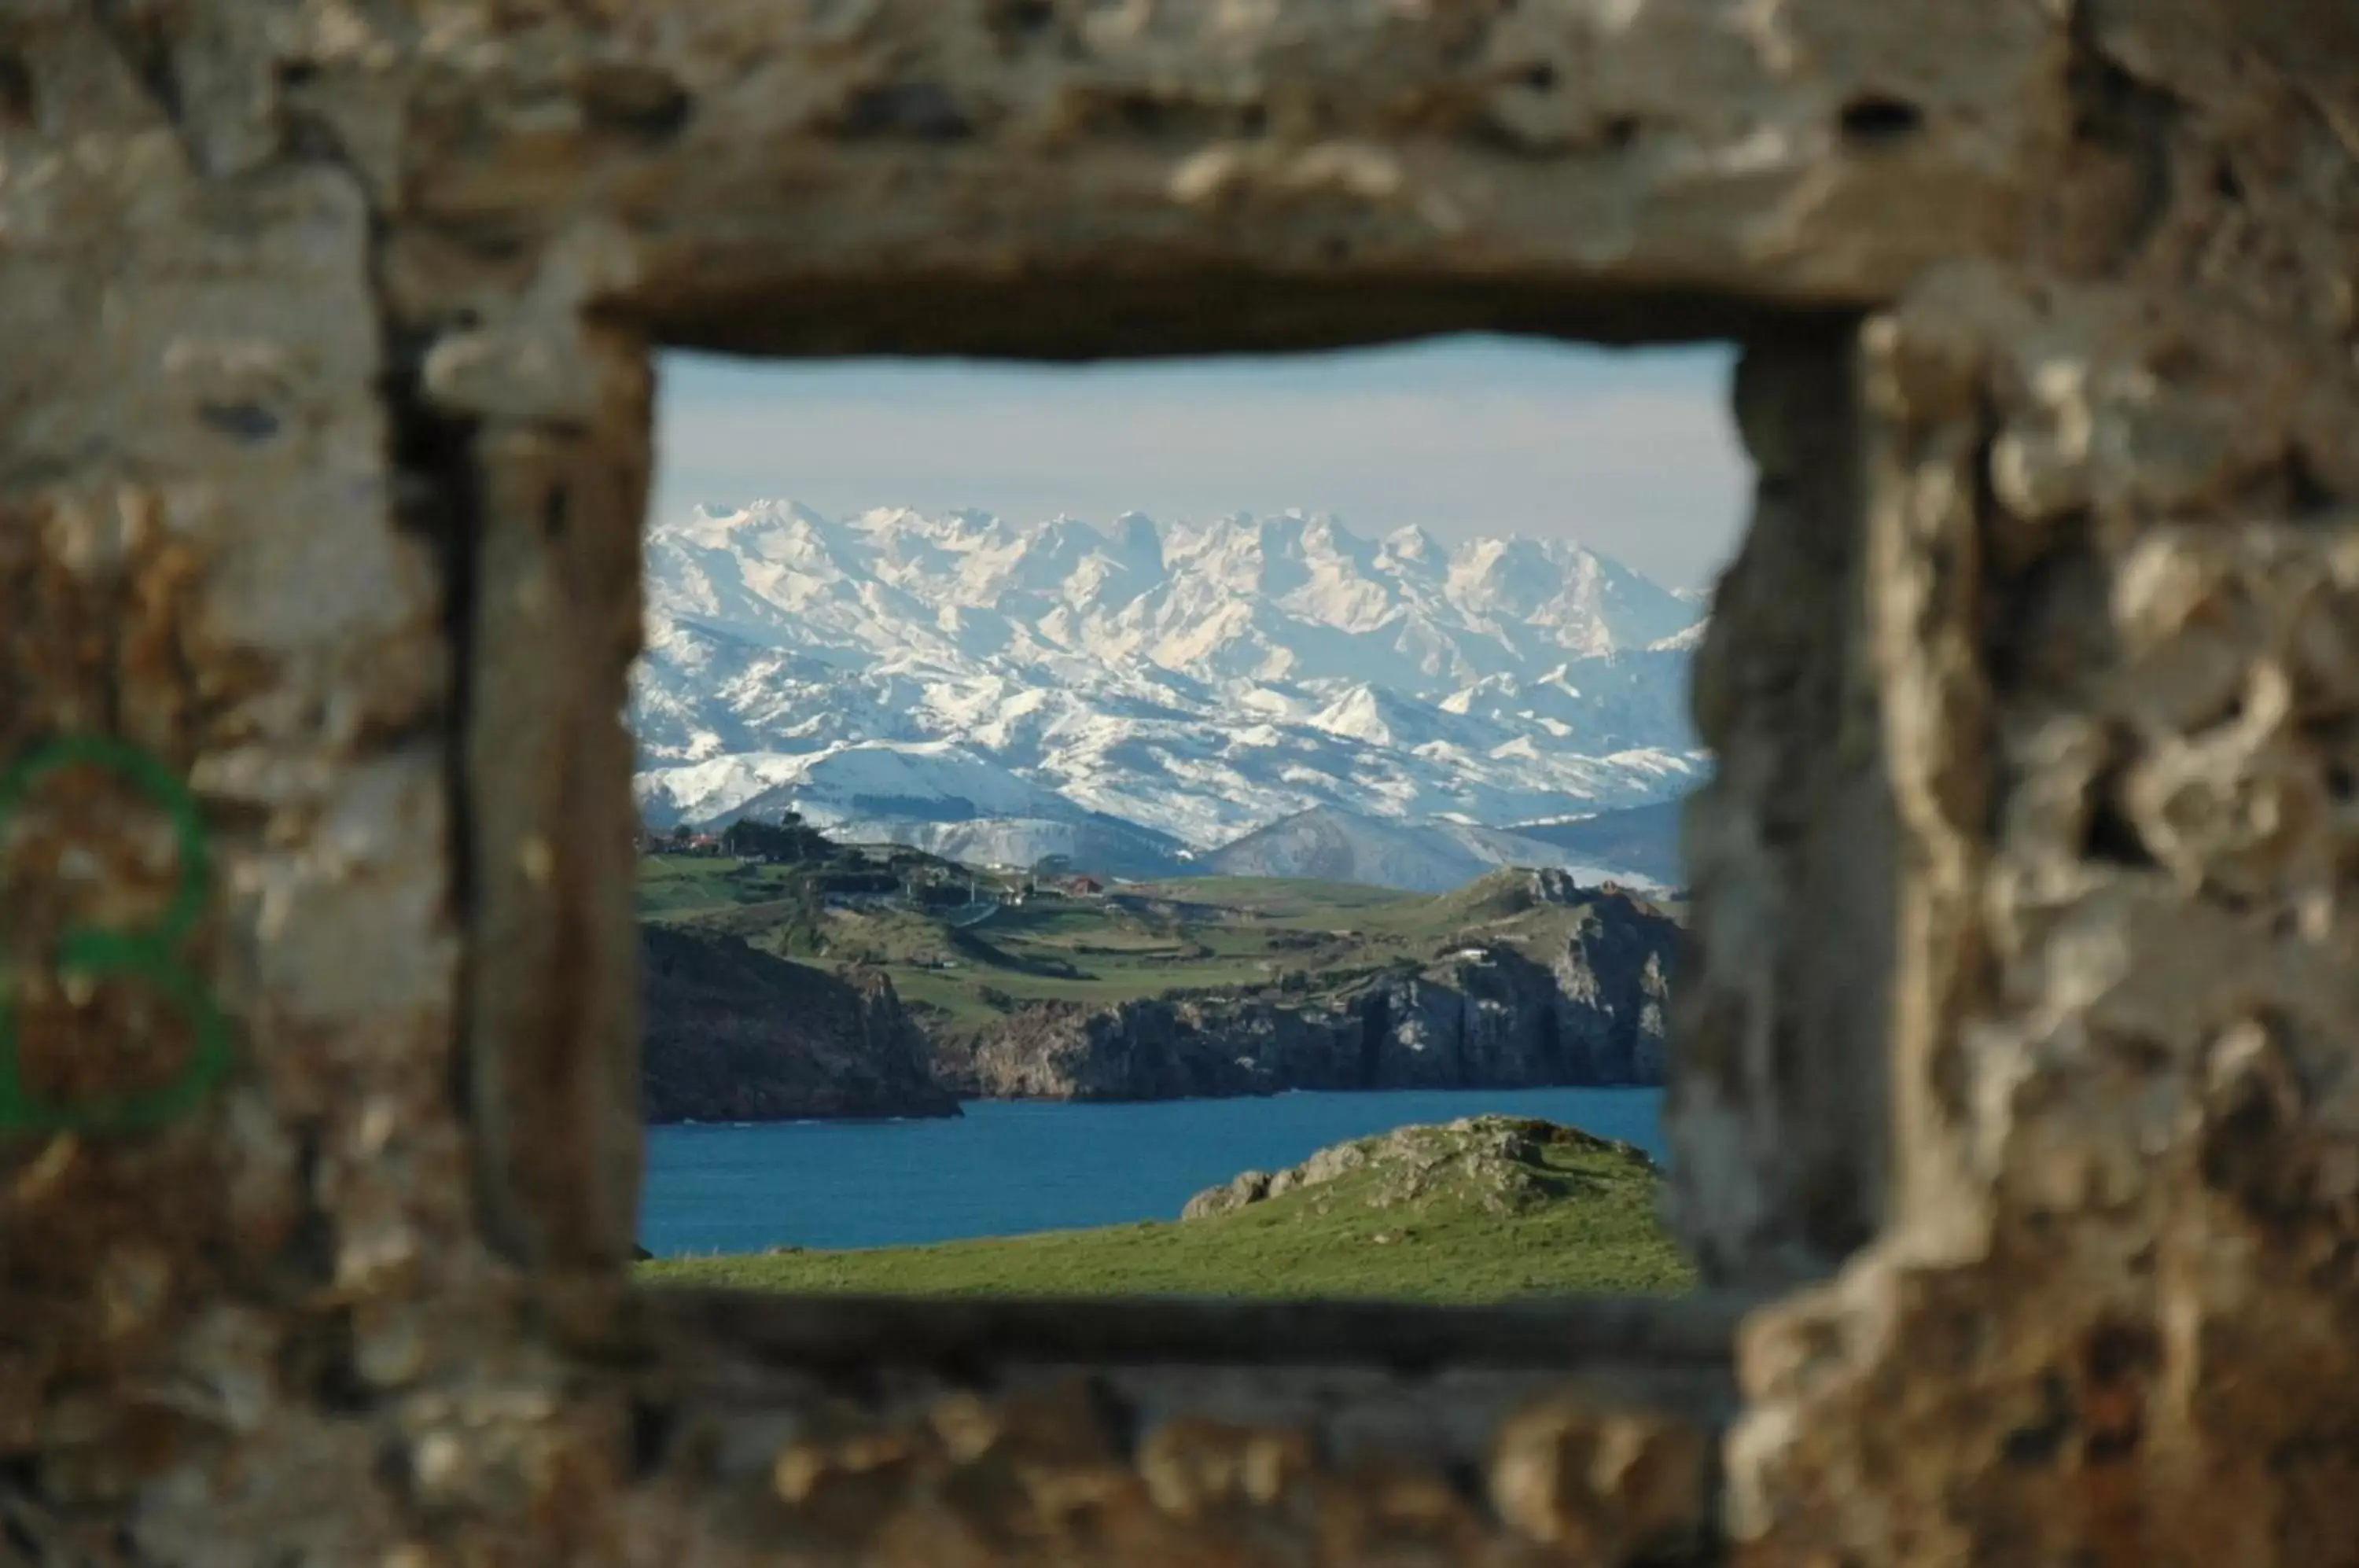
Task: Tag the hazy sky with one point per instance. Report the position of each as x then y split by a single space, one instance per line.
1633 454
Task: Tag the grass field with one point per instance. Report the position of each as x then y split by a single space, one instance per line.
673 885
1482 1211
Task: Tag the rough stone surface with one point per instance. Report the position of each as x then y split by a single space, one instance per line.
2021 1012
1780 1112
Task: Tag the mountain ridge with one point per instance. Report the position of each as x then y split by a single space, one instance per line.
1197 682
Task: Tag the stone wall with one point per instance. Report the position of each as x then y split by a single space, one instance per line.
2019 1043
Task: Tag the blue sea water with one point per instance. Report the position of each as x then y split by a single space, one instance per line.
1011 1166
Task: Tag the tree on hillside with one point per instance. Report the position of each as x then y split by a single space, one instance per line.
788 840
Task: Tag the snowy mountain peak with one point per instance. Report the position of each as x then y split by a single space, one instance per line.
1200 678
714 524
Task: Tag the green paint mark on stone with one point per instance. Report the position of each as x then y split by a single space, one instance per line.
147 955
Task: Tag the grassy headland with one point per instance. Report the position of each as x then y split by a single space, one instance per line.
1133 940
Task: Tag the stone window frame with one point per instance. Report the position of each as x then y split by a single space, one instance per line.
480 231
1589 1425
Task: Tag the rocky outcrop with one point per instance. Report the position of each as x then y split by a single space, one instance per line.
1494 1163
1487 1012
735 1034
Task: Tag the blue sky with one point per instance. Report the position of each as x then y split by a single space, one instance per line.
1632 454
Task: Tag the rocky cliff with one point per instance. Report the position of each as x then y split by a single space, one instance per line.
734 1034
1548 984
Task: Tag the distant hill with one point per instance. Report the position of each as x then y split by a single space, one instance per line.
1099 845
1434 855
1231 986
1644 840
1007 986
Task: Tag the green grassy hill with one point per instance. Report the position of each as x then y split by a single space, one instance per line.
1481 1210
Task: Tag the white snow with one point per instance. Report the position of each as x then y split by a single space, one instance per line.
1201 678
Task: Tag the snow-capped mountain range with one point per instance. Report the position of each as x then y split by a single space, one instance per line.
977 684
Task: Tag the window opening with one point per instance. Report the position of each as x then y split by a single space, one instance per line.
1073 797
